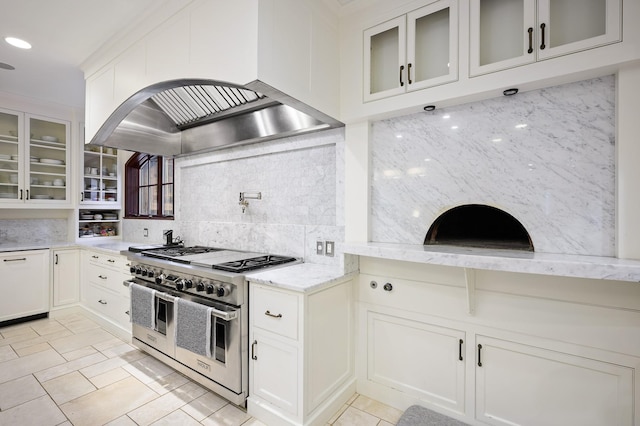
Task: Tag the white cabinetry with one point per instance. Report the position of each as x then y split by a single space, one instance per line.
24 284
522 384
412 52
34 160
291 45
103 292
520 358
301 350
66 277
507 33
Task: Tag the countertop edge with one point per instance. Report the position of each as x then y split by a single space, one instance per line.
576 266
304 277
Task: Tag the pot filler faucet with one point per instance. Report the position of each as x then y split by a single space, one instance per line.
248 195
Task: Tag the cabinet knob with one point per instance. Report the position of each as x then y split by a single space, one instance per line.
388 287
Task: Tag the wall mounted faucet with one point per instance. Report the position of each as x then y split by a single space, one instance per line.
248 195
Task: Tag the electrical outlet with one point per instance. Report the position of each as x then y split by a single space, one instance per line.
320 248
145 232
329 246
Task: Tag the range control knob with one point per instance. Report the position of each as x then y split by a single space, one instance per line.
132 269
180 284
222 290
144 272
209 289
138 270
160 278
200 286
188 283
150 273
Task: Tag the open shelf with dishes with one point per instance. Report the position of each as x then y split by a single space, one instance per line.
98 223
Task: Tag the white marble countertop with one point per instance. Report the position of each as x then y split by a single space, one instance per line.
112 247
605 268
304 277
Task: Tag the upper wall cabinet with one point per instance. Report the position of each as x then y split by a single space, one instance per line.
509 33
34 160
412 51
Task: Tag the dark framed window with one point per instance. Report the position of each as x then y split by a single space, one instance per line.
148 187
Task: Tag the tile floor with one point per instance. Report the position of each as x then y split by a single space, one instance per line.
70 371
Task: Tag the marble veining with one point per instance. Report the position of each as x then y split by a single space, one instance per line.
303 277
547 157
33 231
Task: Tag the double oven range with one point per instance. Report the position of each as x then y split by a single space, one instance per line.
211 277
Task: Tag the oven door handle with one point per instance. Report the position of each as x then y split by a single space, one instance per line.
224 315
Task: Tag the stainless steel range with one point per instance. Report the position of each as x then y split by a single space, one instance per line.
190 310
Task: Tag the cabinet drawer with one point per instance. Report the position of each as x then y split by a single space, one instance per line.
99 275
116 262
108 304
275 311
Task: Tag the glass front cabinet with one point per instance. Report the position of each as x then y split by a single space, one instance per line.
34 159
100 176
412 52
510 33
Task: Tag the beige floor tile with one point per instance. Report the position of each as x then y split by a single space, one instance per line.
105 364
48 327
121 421
202 407
7 353
353 398
80 340
148 369
25 334
352 416
253 422
108 403
108 344
176 418
80 324
68 387
168 383
41 411
16 330
229 415
385 423
19 391
338 414
118 351
109 377
377 409
32 349
166 404
68 367
80 353
29 364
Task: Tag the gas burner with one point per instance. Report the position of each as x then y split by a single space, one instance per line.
174 253
253 263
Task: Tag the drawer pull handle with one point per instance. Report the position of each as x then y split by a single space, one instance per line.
460 342
102 277
542 27
401 69
128 313
102 302
479 360
530 31
94 257
253 350
111 261
16 260
269 314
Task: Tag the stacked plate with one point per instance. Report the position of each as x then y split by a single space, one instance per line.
51 161
50 139
110 216
40 197
7 195
84 216
5 157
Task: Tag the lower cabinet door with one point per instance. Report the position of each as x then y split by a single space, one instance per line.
108 304
24 282
274 376
524 385
422 360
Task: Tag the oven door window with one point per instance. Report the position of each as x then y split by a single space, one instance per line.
219 339
163 315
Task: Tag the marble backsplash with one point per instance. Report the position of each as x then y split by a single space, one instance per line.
300 179
33 231
547 157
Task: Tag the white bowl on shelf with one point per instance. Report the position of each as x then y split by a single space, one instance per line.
97 216
50 139
13 178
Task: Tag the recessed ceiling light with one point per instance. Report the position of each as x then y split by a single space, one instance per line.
17 42
5 66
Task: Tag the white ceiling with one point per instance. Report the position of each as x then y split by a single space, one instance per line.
63 34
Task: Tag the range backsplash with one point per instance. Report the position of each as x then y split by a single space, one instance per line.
547 157
300 179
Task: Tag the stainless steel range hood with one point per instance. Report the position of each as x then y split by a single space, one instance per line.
188 116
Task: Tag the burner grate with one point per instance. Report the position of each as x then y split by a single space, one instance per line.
253 263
